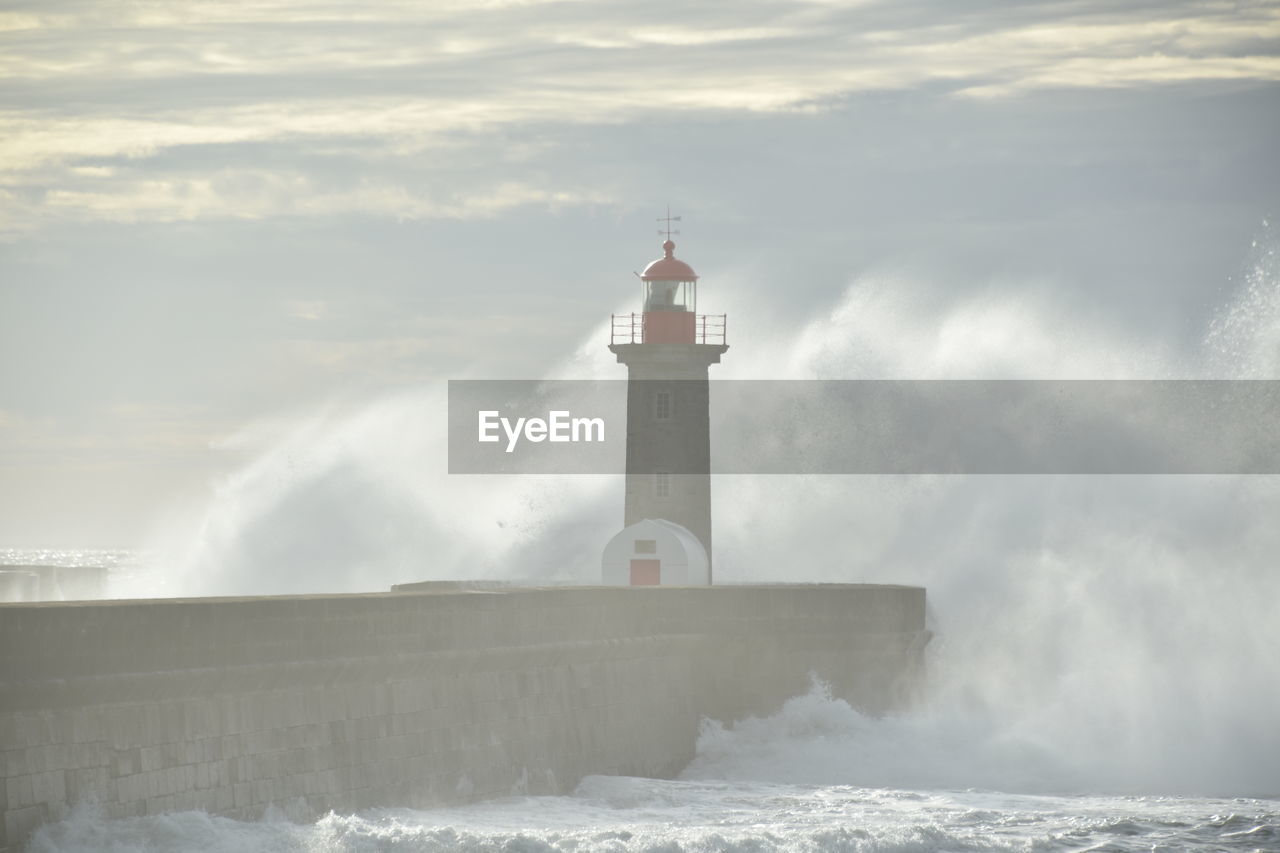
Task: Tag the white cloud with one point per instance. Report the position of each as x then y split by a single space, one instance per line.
256 194
1130 71
407 87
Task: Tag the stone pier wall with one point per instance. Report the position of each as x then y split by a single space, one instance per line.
313 703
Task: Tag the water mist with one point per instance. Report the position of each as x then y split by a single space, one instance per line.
1092 633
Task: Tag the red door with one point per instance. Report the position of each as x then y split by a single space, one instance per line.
645 572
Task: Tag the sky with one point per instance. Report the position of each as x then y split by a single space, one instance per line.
218 219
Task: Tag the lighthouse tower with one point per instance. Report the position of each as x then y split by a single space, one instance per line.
668 348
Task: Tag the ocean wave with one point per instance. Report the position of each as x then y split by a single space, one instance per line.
628 815
818 739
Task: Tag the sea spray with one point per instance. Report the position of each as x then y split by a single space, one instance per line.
1244 336
356 500
816 739
1106 631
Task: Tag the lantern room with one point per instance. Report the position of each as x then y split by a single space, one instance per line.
670 299
670 284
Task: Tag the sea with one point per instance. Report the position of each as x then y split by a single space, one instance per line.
749 790
948 775
717 810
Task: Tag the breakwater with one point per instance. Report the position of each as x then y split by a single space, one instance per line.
343 702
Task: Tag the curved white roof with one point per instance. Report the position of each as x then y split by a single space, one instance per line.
680 554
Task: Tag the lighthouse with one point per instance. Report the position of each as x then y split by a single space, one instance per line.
668 348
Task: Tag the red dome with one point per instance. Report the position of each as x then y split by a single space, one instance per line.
668 268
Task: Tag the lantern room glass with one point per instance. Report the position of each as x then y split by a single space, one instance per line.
671 296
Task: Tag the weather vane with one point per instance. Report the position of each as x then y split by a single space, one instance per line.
668 219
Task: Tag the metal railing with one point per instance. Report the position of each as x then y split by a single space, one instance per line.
629 329
710 329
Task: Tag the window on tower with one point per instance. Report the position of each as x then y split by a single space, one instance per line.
662 405
662 484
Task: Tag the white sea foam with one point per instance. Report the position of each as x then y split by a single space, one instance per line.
620 814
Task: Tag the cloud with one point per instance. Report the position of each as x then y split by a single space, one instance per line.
250 208
103 99
257 194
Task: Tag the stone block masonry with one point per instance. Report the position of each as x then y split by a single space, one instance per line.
420 699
